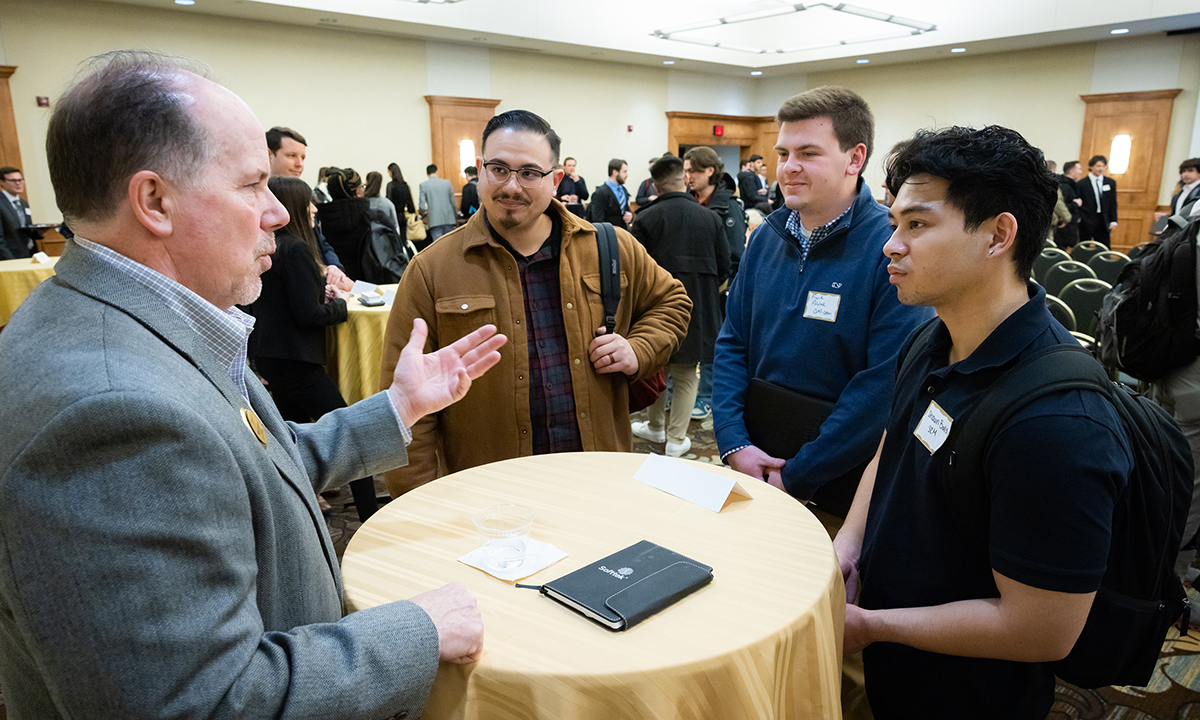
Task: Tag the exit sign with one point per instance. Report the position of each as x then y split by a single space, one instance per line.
718 130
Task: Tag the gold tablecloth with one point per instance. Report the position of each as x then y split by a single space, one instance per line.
18 278
359 348
763 640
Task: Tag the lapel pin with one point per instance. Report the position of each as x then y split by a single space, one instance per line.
256 426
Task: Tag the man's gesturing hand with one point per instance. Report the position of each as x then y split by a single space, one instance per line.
456 616
427 382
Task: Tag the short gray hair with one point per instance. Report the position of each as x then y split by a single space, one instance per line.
128 113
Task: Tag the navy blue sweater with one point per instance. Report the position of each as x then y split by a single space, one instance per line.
848 361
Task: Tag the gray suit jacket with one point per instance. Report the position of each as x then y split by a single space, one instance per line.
155 559
437 196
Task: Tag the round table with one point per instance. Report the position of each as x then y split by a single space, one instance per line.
357 345
18 278
763 640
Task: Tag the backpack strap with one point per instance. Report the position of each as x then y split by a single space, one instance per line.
1052 370
917 345
610 272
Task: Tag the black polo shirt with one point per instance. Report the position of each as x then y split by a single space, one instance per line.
1052 475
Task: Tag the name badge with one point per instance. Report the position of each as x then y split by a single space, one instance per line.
822 306
934 427
1107 188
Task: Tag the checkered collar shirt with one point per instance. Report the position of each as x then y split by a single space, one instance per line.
808 239
555 426
225 332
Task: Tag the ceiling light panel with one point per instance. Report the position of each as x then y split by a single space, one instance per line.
788 28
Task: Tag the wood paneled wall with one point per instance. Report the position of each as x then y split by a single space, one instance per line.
10 150
753 135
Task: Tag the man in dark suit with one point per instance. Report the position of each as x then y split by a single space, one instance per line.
1099 196
199 578
752 186
610 201
1067 235
15 218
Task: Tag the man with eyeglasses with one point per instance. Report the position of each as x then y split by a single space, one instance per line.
529 266
16 240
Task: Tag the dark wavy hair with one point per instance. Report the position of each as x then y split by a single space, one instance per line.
343 183
990 171
295 195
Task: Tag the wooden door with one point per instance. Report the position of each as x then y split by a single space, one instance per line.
451 121
1146 118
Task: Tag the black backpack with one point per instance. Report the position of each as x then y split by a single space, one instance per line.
1140 596
384 255
1147 324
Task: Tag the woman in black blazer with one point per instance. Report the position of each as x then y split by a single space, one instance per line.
401 196
293 311
291 315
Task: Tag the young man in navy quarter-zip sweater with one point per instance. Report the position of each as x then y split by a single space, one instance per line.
811 308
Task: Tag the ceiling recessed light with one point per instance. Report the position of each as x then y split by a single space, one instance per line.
862 61
756 72
1118 31
668 62
185 2
958 50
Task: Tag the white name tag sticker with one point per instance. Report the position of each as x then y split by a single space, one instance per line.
934 427
1107 188
822 306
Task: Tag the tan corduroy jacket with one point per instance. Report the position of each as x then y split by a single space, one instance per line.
465 280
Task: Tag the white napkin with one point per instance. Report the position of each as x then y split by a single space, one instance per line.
538 556
362 287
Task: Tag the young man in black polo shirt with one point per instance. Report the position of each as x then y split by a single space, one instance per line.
947 631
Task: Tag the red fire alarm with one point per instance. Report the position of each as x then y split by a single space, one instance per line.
43 101
718 130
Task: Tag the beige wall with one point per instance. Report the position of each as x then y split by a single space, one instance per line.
1034 92
358 98
590 104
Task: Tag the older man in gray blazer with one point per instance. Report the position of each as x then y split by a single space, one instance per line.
161 549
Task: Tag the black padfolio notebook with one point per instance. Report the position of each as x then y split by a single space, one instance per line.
629 586
781 421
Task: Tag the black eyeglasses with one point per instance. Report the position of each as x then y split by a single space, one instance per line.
527 177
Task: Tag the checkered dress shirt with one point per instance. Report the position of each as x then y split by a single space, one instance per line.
807 239
224 332
551 394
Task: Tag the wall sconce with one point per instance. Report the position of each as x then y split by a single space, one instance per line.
1118 154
